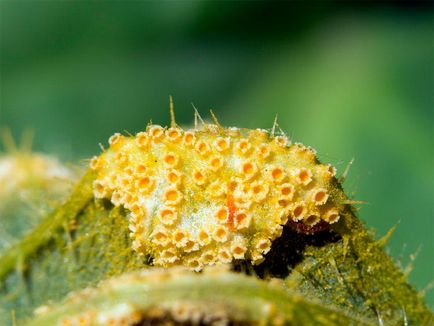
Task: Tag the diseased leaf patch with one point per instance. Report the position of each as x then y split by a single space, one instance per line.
209 196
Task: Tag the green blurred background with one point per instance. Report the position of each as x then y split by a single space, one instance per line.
353 81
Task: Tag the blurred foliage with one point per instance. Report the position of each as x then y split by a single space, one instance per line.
349 80
31 185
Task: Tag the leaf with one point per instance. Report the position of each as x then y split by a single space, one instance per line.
85 241
221 296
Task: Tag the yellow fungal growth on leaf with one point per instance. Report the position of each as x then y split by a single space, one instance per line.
207 196
23 169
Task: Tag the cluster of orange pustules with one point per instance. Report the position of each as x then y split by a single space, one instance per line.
204 197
